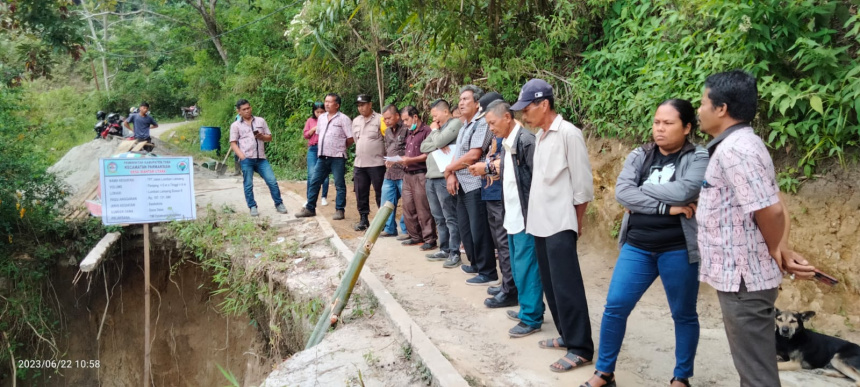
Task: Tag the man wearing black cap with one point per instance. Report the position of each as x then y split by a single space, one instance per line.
472 142
369 165
561 189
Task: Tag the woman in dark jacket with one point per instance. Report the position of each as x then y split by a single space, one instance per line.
658 187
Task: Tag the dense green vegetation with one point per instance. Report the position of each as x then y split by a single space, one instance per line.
611 62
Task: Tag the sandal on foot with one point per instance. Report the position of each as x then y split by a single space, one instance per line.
568 362
682 380
608 378
552 343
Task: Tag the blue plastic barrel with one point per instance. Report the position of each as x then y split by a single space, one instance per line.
210 138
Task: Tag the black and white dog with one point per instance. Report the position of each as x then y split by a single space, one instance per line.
797 347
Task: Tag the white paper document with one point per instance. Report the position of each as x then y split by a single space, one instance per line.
393 159
442 160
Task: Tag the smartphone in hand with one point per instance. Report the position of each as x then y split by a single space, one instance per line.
825 278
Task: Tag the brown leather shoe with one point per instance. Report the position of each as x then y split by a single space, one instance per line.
338 215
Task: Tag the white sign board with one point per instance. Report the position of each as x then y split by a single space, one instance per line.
147 189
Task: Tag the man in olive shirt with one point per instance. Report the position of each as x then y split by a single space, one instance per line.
369 165
443 205
561 188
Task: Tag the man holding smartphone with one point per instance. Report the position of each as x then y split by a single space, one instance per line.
248 138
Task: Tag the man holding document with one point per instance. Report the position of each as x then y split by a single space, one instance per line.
419 222
443 205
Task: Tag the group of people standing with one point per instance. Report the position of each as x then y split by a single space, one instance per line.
516 202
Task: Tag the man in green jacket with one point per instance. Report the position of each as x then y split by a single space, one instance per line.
443 206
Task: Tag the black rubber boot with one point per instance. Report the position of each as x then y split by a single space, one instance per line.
363 224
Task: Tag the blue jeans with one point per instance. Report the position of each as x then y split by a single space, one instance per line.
634 273
312 163
443 206
392 190
325 166
524 267
262 167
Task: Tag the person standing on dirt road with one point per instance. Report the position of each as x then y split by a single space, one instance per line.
472 142
369 168
419 221
248 138
335 137
743 226
562 187
392 185
658 187
142 122
310 134
514 169
443 206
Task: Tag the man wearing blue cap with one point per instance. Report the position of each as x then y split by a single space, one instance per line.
561 189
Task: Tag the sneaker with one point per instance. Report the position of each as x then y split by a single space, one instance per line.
306 213
254 211
281 208
468 269
513 315
480 280
493 290
437 256
404 237
522 330
428 246
452 261
338 215
411 242
324 202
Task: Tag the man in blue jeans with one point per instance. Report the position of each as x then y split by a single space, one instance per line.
335 138
392 185
248 138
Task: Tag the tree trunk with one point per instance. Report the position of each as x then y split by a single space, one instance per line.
211 24
104 54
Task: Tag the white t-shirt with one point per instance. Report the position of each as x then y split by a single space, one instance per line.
514 222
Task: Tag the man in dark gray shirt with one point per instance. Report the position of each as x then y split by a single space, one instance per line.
142 122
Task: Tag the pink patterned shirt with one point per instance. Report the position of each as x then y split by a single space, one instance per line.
740 180
333 132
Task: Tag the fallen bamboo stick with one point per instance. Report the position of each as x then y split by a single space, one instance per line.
331 314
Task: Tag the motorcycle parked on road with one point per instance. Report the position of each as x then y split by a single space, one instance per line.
191 112
108 125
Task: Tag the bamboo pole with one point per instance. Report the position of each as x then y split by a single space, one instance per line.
331 314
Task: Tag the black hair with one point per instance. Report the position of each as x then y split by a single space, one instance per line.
316 105
410 110
242 102
393 109
144 104
441 104
336 97
737 90
685 111
550 98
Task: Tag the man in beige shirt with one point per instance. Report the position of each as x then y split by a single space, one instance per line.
369 168
561 188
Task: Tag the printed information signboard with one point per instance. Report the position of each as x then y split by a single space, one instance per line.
147 190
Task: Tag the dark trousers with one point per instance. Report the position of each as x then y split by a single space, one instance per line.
419 221
325 166
496 218
748 319
565 293
475 232
364 177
